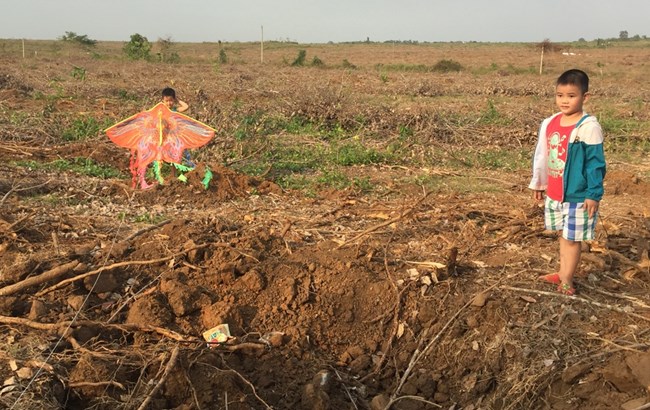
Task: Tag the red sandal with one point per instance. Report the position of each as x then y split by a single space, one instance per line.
552 278
566 289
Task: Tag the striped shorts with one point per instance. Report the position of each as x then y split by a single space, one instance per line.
571 218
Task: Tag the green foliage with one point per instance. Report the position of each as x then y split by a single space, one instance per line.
446 66
82 166
138 48
348 65
223 57
333 179
356 154
383 77
83 128
125 95
418 68
317 62
300 59
442 66
149 217
79 73
492 116
73 37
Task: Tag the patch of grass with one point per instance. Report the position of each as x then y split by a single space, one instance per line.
447 66
486 158
125 95
78 72
83 128
317 62
616 125
459 184
627 148
356 154
296 158
413 68
348 65
149 217
334 179
300 59
363 184
492 116
82 166
297 182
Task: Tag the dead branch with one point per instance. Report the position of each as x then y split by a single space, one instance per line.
21 220
632 299
14 189
422 353
416 398
577 299
128 327
97 384
385 223
145 230
116 265
170 365
42 278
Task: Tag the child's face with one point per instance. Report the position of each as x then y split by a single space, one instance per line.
569 98
169 101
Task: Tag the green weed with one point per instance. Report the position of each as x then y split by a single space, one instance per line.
82 166
447 66
356 154
317 62
492 116
149 217
348 65
300 59
83 128
78 73
223 57
333 179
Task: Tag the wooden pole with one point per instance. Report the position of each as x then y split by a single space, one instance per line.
541 61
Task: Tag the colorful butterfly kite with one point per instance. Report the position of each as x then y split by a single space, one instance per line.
157 134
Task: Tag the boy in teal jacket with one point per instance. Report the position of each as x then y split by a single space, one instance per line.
569 166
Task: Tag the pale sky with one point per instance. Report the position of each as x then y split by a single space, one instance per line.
311 21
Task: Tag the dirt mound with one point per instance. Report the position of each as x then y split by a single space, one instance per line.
408 299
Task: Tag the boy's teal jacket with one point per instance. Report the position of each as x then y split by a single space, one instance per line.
585 168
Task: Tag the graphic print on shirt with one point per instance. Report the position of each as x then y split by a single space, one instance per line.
556 154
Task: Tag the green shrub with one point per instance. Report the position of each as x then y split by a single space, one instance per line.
73 37
82 128
348 65
317 62
223 57
446 66
139 48
300 60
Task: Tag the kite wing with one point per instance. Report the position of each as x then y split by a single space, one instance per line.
159 134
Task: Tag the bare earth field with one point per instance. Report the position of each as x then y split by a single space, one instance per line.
368 236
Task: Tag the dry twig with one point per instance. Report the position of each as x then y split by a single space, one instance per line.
385 223
577 299
170 365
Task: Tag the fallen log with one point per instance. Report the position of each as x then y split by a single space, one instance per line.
51 274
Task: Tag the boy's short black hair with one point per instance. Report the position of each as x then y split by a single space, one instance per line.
169 92
575 77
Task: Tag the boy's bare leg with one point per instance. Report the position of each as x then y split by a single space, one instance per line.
569 258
